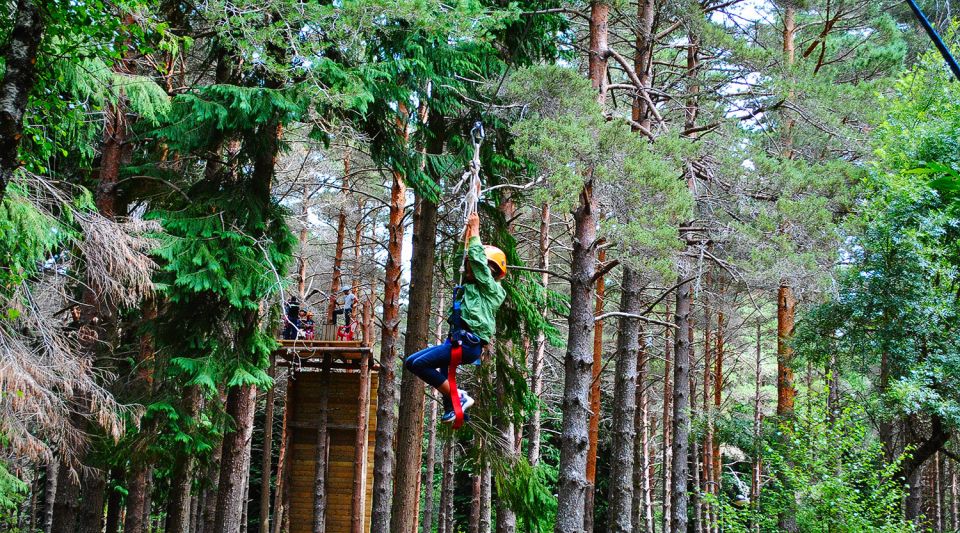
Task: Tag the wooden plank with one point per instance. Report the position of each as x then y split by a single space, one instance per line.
343 392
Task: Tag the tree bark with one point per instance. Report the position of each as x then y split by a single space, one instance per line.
336 280
717 475
94 498
667 492
578 369
620 495
361 447
578 361
540 346
595 402
209 511
181 482
383 474
234 463
757 466
138 508
506 519
281 498
486 499
476 494
302 239
267 456
67 504
786 393
50 494
406 495
431 453
322 452
19 77
681 404
707 464
445 518
114 503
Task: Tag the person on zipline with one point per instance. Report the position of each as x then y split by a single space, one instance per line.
482 295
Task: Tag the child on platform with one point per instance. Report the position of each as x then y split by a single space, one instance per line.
482 296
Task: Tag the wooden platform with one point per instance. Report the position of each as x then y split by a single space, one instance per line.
310 353
303 420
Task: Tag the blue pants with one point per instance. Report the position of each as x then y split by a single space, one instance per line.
431 364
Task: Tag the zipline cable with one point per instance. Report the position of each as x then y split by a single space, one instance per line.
935 37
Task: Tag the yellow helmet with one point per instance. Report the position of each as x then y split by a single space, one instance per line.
497 258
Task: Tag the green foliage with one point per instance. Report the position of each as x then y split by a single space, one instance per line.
222 258
12 492
566 137
27 237
832 475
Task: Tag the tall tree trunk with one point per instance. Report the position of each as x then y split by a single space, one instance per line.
302 239
445 518
281 499
267 456
19 77
620 495
431 460
540 346
707 465
406 488
336 278
578 370
387 391
757 467
94 498
212 483
717 475
67 505
595 402
506 519
785 299
431 425
181 483
954 498
114 503
486 498
681 404
357 521
578 362
667 490
234 463
476 505
50 494
138 497
322 451
786 392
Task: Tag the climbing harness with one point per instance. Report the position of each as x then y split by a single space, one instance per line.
471 178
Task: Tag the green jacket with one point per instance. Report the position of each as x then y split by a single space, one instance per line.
483 296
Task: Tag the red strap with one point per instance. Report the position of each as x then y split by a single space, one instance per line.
456 355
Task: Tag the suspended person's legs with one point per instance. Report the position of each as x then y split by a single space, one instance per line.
431 364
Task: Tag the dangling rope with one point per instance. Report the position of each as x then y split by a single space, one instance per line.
471 179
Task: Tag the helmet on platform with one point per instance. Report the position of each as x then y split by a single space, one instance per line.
497 260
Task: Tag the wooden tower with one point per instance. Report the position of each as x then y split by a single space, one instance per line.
330 419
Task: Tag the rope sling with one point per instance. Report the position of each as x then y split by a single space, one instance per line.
471 197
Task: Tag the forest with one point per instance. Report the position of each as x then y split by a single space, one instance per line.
694 264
